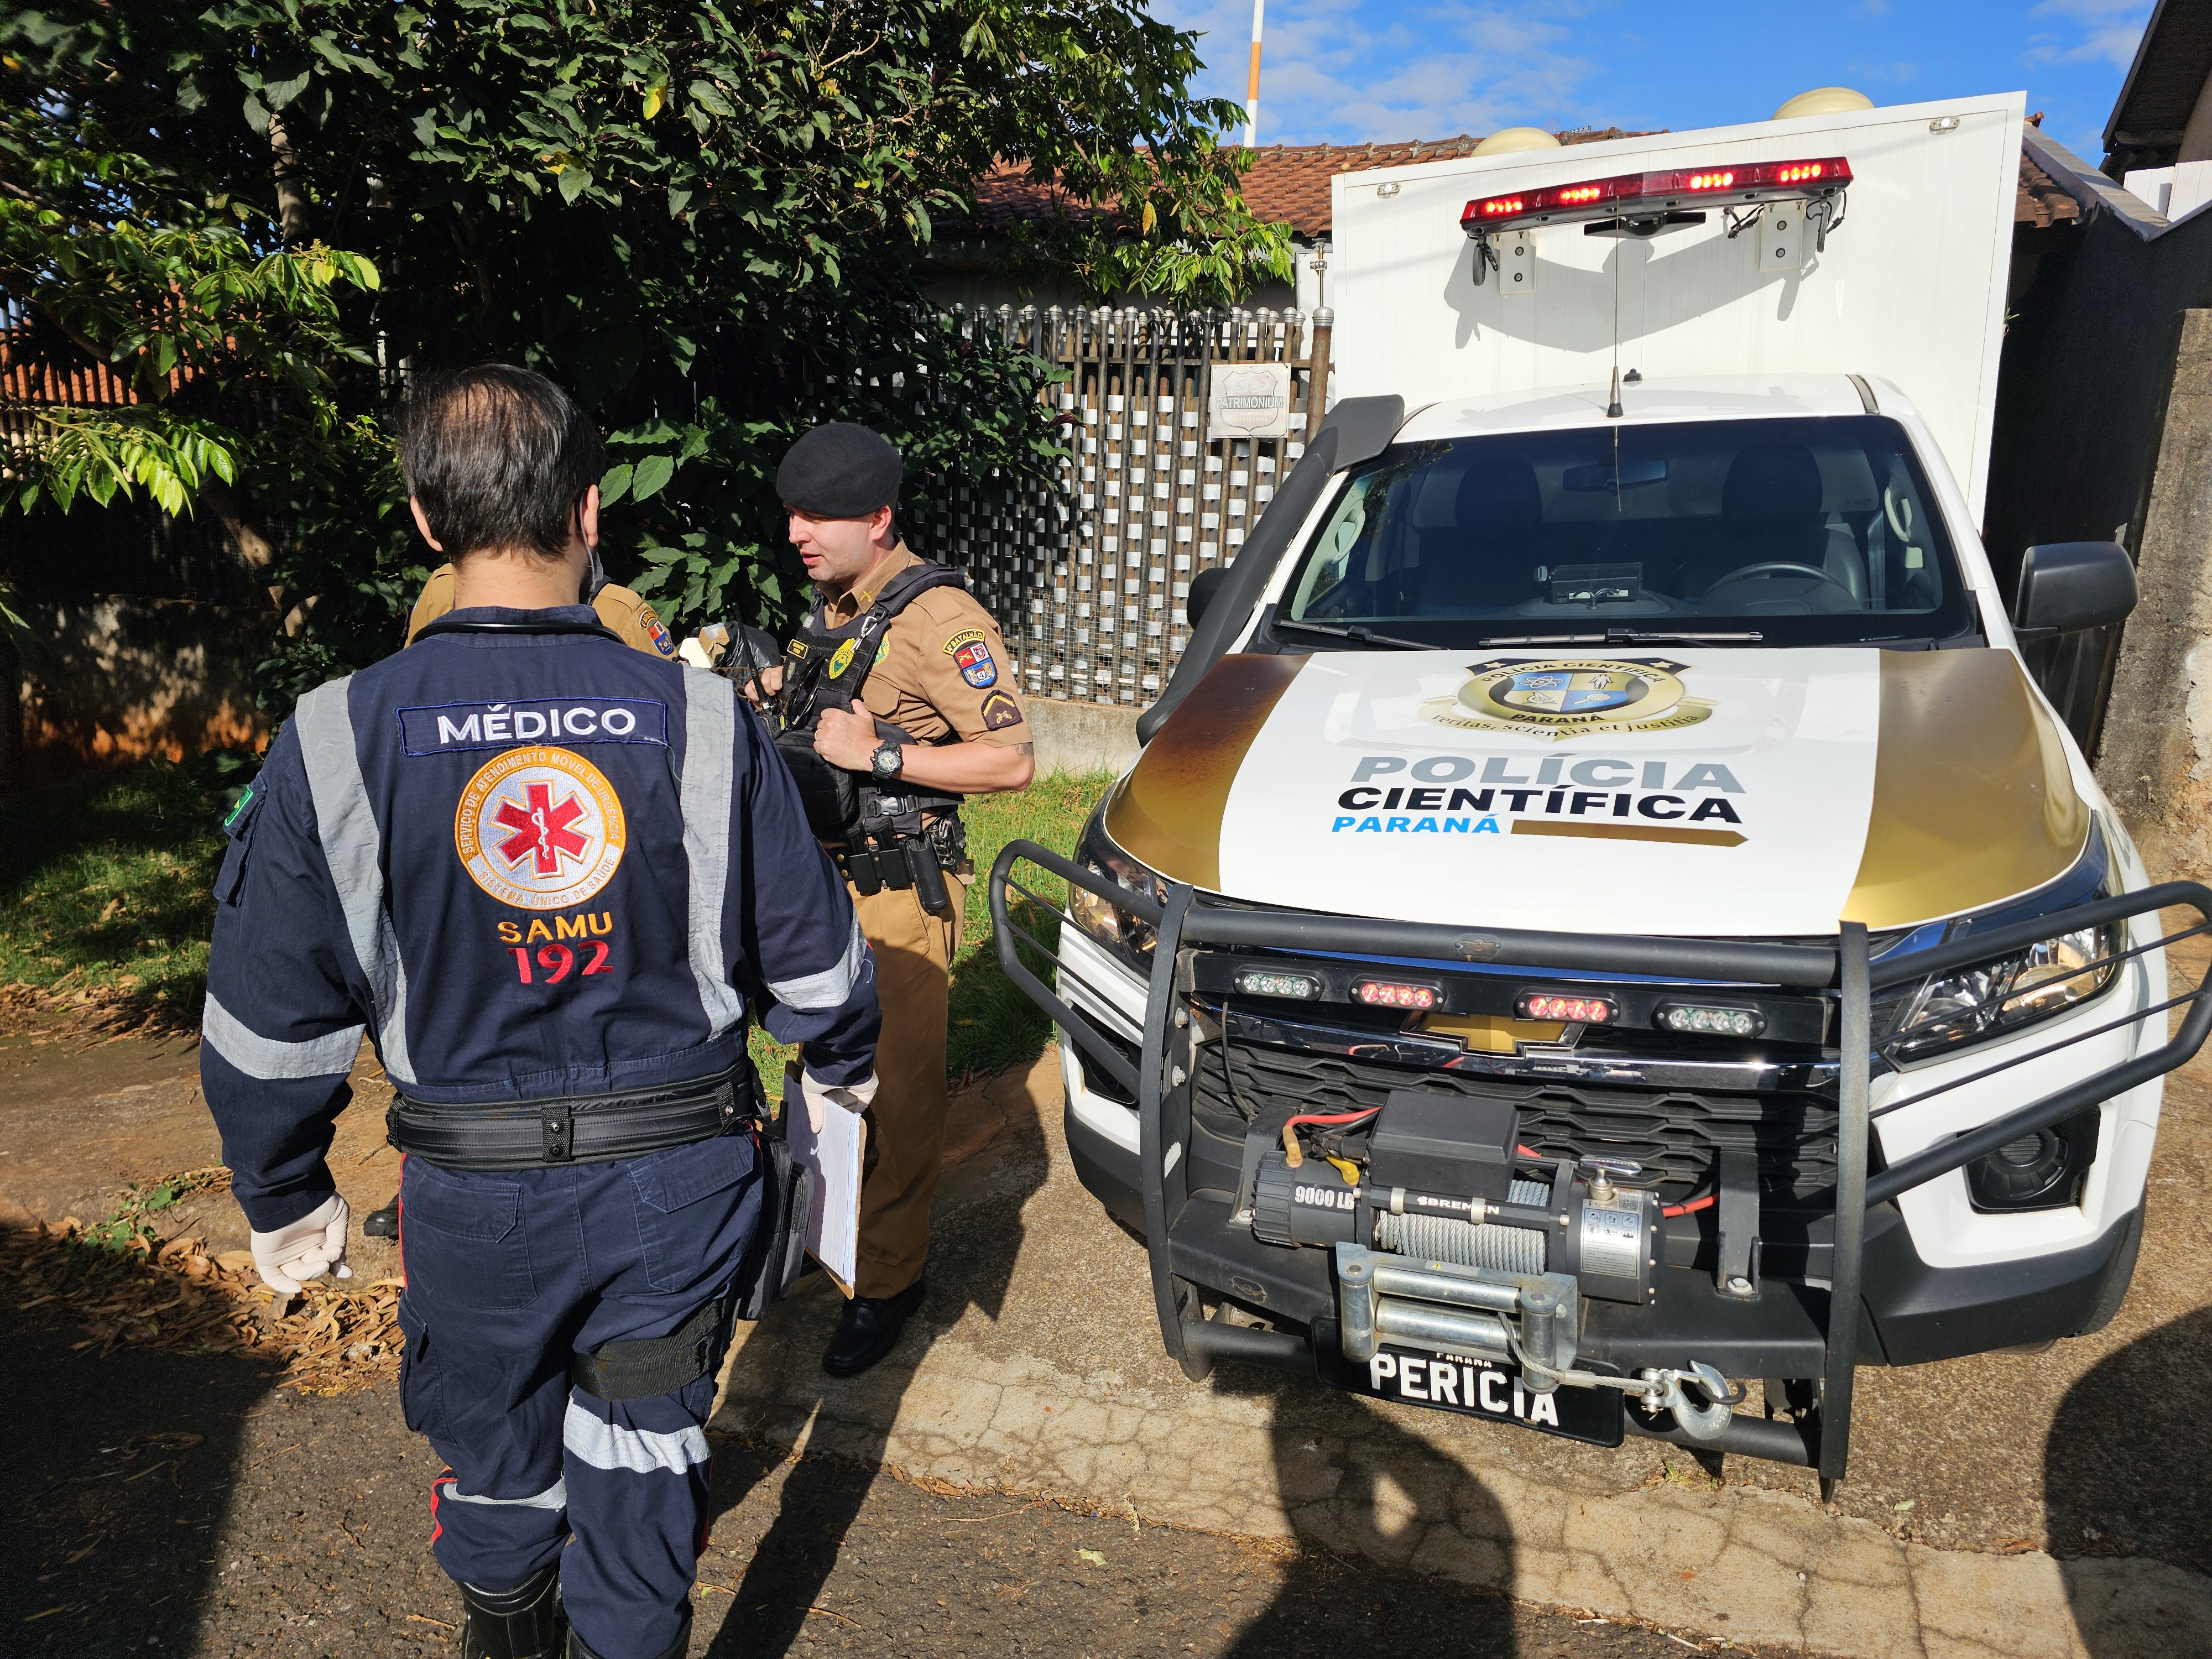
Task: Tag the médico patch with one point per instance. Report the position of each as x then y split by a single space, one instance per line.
439 728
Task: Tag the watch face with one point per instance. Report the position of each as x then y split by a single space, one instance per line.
887 762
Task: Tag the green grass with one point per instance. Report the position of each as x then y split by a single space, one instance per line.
105 884
993 1025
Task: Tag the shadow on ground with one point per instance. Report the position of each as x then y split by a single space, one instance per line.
1393 1501
120 1478
2123 1468
972 1254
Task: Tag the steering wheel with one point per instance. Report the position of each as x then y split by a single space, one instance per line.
1781 567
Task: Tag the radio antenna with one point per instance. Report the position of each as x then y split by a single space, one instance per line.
1613 408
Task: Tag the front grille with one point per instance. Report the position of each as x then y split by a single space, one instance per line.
1674 1134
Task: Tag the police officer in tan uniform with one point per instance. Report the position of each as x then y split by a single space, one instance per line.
896 702
629 617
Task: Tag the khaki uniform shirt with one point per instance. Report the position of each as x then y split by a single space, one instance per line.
941 671
630 618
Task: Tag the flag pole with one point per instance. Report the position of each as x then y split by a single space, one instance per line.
1252 86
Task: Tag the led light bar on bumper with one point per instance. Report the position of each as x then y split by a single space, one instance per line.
1641 193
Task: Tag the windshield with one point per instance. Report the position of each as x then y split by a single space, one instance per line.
1811 531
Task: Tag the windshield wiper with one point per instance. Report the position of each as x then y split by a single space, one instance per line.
1623 636
1357 635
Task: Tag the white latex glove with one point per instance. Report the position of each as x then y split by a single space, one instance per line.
853 1098
308 1248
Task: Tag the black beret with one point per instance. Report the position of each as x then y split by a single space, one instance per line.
840 471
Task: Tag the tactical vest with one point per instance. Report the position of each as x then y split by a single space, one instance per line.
826 667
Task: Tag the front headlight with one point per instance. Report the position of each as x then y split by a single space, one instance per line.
1996 998
1105 921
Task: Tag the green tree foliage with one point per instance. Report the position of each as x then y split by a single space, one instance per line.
704 218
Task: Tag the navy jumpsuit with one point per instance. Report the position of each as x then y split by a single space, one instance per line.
532 865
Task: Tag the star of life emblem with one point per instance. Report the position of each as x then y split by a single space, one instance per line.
539 829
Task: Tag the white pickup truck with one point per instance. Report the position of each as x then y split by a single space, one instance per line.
1602 893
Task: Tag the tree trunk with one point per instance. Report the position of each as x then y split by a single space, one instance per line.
291 200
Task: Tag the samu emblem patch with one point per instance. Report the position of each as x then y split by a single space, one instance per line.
539 829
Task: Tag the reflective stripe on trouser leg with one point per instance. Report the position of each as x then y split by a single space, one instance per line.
637 1476
906 1125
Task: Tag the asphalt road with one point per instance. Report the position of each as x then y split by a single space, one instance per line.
160 1504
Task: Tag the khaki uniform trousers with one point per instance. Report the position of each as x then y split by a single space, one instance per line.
906 1125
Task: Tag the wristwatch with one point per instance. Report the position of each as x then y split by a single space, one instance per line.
887 762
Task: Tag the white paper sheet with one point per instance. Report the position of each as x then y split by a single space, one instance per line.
833 1148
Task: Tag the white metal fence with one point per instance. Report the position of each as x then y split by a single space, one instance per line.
1088 576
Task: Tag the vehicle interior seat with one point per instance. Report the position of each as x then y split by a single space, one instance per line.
1771 512
1483 558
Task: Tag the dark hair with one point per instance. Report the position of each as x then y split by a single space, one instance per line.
498 457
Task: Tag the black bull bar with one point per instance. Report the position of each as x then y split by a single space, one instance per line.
1842 971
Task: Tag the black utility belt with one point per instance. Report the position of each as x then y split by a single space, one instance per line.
898 862
536 1134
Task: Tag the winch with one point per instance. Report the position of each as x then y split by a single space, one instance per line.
1439 1245
1439 1184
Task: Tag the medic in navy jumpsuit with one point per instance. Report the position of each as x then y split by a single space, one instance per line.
533 865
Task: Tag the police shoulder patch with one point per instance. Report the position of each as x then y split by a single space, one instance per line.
976 666
965 636
1000 712
656 630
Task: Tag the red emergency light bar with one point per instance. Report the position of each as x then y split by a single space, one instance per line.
1641 193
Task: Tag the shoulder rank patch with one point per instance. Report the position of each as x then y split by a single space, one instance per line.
1000 712
656 630
841 659
882 651
965 636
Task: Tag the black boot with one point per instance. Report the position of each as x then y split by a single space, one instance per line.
518 1624
675 1649
383 1223
869 1329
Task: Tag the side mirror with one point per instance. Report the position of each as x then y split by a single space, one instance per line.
1203 586
2065 587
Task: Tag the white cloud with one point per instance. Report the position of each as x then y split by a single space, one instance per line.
1426 72
2103 32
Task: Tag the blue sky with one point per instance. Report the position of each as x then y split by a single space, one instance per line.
1352 70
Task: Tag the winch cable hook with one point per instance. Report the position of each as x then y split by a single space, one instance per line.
1700 1422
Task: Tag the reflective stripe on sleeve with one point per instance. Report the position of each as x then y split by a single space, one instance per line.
829 987
555 1497
270 1060
610 1446
710 731
352 846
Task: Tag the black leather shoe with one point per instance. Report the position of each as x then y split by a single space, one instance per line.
869 1329
527 1623
383 1223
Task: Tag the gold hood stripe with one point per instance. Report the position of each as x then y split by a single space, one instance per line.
1973 802
1167 813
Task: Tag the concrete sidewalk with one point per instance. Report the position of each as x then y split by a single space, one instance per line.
1037 1367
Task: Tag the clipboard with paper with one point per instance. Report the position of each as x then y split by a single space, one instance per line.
831 1142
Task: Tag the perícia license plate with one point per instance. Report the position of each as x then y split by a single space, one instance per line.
1477 1387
